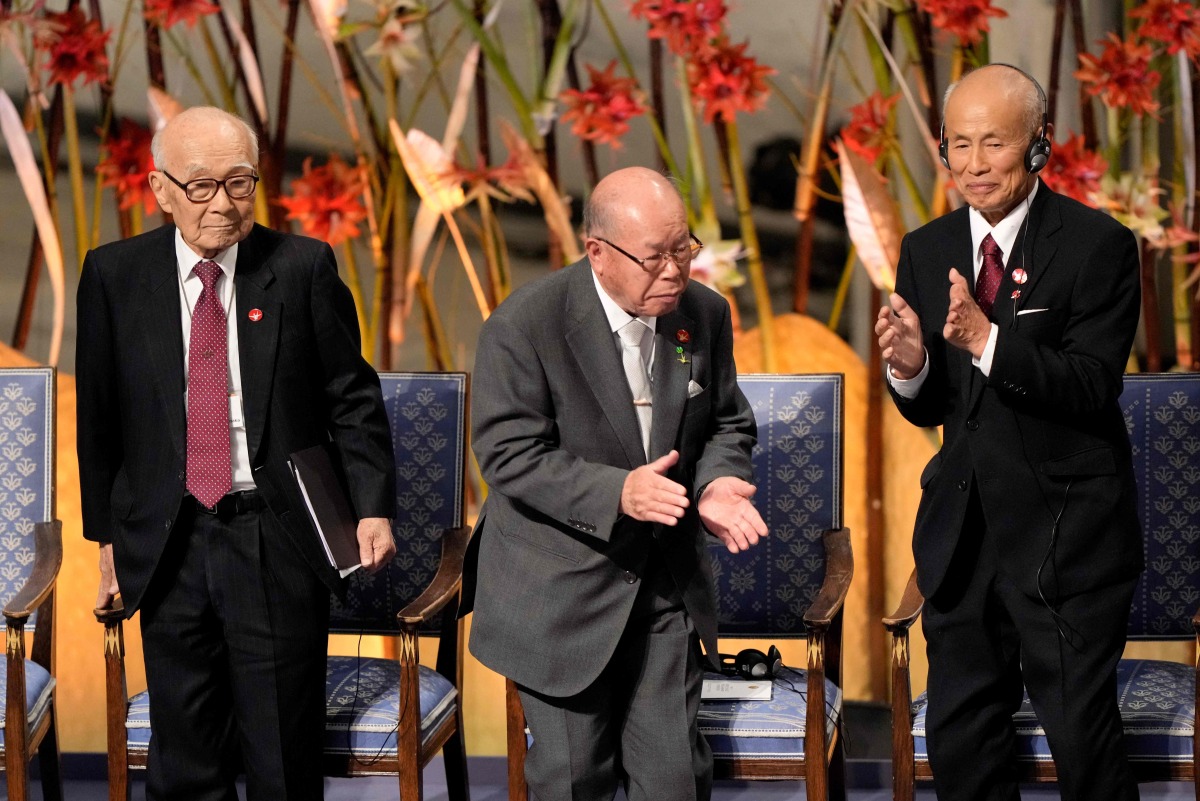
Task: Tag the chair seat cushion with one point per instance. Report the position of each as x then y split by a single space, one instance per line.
362 699
1158 709
767 729
39 691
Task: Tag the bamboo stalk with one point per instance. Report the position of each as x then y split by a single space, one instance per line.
754 265
75 170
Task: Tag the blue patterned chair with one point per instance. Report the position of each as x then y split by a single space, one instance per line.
791 585
384 716
1157 699
30 556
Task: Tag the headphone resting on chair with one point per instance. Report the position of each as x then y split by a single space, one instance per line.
752 663
1037 155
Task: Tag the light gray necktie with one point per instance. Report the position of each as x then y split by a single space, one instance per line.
633 334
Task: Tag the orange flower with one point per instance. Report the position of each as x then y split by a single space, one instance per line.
600 111
1075 171
126 165
1122 75
74 47
326 200
727 81
966 19
866 133
165 13
509 179
1176 23
684 24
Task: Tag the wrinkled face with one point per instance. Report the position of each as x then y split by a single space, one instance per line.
987 144
216 151
646 226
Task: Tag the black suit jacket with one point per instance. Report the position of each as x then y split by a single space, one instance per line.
1042 436
550 575
304 381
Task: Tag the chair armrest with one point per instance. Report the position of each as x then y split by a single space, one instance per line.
446 582
47 560
910 608
839 569
113 615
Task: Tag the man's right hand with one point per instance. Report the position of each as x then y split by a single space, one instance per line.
108 578
650 496
899 332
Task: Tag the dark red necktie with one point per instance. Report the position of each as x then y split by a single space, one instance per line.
209 475
989 275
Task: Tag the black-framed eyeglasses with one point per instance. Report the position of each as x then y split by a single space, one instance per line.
681 257
203 190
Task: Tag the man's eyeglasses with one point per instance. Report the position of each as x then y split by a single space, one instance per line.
203 190
681 257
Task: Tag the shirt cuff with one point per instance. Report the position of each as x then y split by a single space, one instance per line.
908 388
984 362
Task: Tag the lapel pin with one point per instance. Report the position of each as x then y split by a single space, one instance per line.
683 336
683 359
1019 276
1016 294
255 315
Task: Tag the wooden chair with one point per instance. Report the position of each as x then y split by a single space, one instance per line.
1157 698
384 716
30 557
792 585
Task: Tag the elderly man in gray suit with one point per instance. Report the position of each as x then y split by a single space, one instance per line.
612 434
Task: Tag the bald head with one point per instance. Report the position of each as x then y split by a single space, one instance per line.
624 195
1014 87
197 124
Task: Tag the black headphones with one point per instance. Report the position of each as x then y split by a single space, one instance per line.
1037 155
752 663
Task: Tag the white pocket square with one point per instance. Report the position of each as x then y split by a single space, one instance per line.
694 389
1030 311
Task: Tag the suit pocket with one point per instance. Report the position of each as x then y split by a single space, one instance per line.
931 469
536 536
1091 462
1045 326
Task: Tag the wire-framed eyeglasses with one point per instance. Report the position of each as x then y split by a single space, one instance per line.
681 257
203 190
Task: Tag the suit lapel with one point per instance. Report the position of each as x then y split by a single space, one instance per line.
672 370
258 336
163 331
592 345
1044 223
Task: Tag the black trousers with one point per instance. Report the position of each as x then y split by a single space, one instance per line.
985 639
234 630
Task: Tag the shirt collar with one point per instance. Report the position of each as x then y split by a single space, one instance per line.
1004 232
186 258
618 318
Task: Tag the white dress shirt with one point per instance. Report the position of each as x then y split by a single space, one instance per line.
618 318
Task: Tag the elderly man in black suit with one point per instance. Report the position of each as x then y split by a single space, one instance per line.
1010 327
208 351
611 432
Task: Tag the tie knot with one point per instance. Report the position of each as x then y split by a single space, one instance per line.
990 248
632 333
207 272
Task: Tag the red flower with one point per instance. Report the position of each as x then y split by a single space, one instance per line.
727 81
165 13
1176 23
74 46
1075 171
600 111
865 134
326 200
1122 75
966 19
684 24
126 164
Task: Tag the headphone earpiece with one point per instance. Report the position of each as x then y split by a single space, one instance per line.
752 664
943 146
1037 155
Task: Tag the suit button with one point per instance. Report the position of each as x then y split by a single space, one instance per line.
182 475
167 525
972 424
630 577
962 486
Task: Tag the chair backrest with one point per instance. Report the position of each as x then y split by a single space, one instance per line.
27 449
1162 415
428 417
798 471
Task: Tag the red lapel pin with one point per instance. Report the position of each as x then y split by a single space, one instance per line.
683 336
255 315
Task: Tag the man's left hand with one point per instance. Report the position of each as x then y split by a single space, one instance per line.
967 327
726 511
375 544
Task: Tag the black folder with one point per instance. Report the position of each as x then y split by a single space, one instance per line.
322 484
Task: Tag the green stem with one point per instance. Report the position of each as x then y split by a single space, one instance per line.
504 73
697 172
843 289
223 80
356 293
754 265
75 167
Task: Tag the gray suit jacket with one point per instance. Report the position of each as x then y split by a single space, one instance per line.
555 432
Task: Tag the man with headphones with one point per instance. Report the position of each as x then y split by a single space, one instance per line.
1010 327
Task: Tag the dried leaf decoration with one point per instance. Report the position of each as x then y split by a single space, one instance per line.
872 217
162 107
245 54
